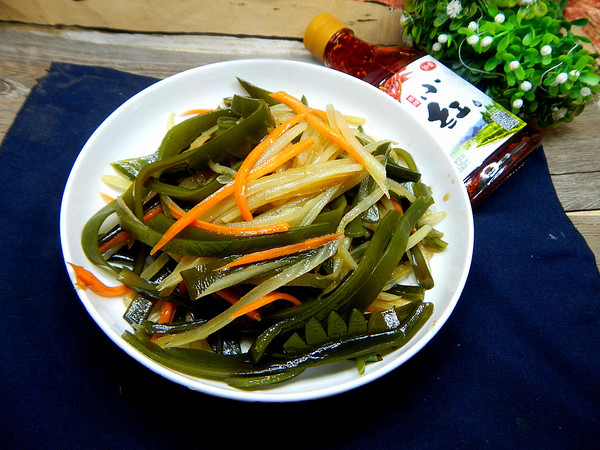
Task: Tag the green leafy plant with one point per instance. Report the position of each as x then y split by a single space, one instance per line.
522 53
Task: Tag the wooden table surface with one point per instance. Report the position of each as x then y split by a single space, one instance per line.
26 51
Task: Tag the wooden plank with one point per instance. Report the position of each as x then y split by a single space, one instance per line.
573 153
575 146
578 191
158 56
374 21
15 83
588 224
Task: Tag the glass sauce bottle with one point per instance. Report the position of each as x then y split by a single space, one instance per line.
389 67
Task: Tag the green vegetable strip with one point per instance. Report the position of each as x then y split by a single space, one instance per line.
89 235
230 367
180 136
407 157
434 240
173 327
364 296
401 174
138 310
299 315
191 247
410 293
236 141
205 279
249 382
176 139
355 228
307 263
420 268
194 195
361 287
257 92
149 290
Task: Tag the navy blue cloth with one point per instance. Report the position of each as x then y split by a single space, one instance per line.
515 366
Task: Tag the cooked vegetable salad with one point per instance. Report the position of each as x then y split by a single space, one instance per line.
265 237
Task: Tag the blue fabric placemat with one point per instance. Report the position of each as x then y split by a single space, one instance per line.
515 366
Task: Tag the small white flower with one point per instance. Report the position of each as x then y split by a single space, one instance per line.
443 38
575 73
473 26
585 91
526 86
436 47
499 18
473 39
517 103
453 9
514 65
487 41
562 78
545 50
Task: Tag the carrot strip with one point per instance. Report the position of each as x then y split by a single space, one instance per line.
153 212
372 308
319 113
329 133
191 215
279 227
397 206
107 198
213 199
227 294
309 244
167 311
241 177
284 156
124 236
269 298
182 287
196 111
86 279
318 124
299 105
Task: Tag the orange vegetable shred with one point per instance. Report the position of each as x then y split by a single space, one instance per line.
86 279
263 255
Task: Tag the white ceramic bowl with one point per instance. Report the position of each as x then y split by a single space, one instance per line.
137 127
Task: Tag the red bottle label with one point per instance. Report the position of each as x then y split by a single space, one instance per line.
428 65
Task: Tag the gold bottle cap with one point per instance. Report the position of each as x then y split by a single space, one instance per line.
318 33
